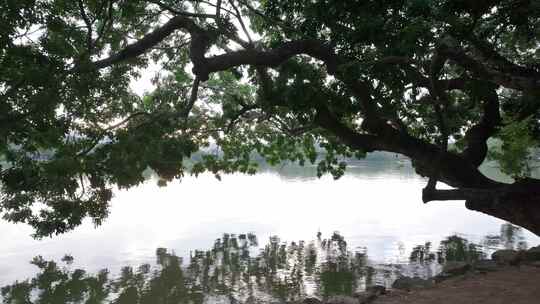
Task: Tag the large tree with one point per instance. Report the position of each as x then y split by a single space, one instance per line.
277 77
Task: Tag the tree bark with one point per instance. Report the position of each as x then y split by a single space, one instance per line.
521 210
517 203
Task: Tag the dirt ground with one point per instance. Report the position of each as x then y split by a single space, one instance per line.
511 285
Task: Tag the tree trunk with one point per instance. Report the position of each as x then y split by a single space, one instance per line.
518 203
520 206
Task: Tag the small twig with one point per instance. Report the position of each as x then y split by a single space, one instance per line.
192 98
177 12
107 23
239 17
83 191
103 131
125 120
240 113
214 5
262 15
88 25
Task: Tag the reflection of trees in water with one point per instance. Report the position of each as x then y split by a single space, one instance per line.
374 165
456 248
56 284
232 269
510 237
237 270
452 249
373 168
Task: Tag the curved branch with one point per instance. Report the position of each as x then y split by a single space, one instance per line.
419 79
477 136
482 70
383 137
269 58
488 53
147 42
274 57
192 98
351 138
454 170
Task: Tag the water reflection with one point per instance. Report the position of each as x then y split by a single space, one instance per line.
377 204
374 166
237 269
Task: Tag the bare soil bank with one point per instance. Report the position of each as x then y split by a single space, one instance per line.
508 285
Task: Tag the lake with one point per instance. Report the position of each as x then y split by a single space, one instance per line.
376 207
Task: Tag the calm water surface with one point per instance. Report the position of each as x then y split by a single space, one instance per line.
376 205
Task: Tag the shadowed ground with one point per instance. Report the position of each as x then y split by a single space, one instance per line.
516 285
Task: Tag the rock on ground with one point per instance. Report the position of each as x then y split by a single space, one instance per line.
486 265
533 254
407 283
506 257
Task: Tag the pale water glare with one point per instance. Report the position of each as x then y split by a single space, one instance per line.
382 212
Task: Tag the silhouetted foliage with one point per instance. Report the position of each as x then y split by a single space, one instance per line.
235 269
280 79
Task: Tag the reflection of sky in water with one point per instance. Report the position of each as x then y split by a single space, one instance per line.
382 212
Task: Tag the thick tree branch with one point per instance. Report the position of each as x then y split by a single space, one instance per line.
276 56
482 70
351 138
431 194
410 67
148 41
384 136
454 170
477 136
269 58
488 54
518 189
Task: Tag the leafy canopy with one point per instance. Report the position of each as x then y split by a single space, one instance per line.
283 79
